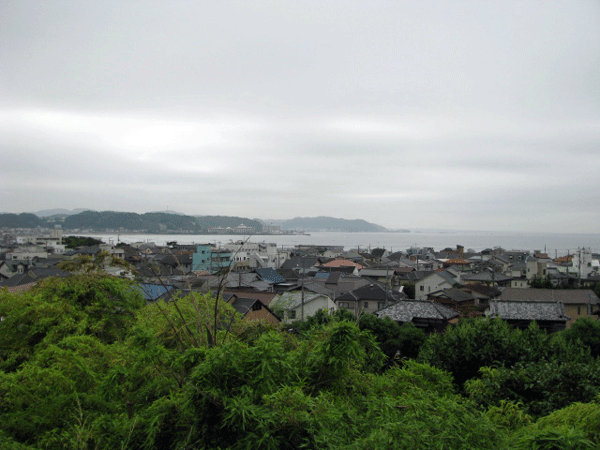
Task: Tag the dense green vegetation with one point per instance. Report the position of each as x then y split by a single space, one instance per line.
80 241
128 221
24 220
85 363
152 222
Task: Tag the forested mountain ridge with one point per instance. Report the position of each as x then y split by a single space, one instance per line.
23 220
154 222
172 222
157 222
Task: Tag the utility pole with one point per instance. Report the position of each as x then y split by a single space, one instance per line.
387 285
302 290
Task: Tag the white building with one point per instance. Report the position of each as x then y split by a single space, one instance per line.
52 240
582 263
256 255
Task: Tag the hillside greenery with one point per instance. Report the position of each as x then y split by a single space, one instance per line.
24 220
80 241
85 363
153 222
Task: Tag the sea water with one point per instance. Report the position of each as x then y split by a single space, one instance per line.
555 244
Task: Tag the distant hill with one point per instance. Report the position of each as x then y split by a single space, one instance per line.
172 222
169 211
59 211
323 223
156 222
227 221
23 220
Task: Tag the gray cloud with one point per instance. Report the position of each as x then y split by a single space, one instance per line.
408 114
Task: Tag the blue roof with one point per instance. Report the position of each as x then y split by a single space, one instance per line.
269 274
323 275
153 291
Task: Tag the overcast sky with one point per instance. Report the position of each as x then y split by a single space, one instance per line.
478 115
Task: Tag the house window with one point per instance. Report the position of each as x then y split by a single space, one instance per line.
256 306
421 288
380 305
291 314
344 304
365 304
579 310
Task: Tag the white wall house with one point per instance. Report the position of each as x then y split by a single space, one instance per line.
434 282
291 305
27 252
535 268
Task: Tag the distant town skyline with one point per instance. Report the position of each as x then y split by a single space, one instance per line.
418 115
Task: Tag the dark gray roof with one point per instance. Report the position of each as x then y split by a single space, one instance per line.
318 288
453 294
396 256
407 310
378 252
376 272
240 279
486 276
40 273
288 274
334 278
449 277
17 280
417 275
371 291
244 305
541 311
301 262
567 296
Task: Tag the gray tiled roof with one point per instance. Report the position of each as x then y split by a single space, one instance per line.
449 277
269 274
508 310
376 272
453 294
371 291
407 310
486 276
567 296
318 288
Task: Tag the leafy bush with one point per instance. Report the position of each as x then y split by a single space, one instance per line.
587 331
542 387
581 416
394 339
96 305
465 348
471 344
